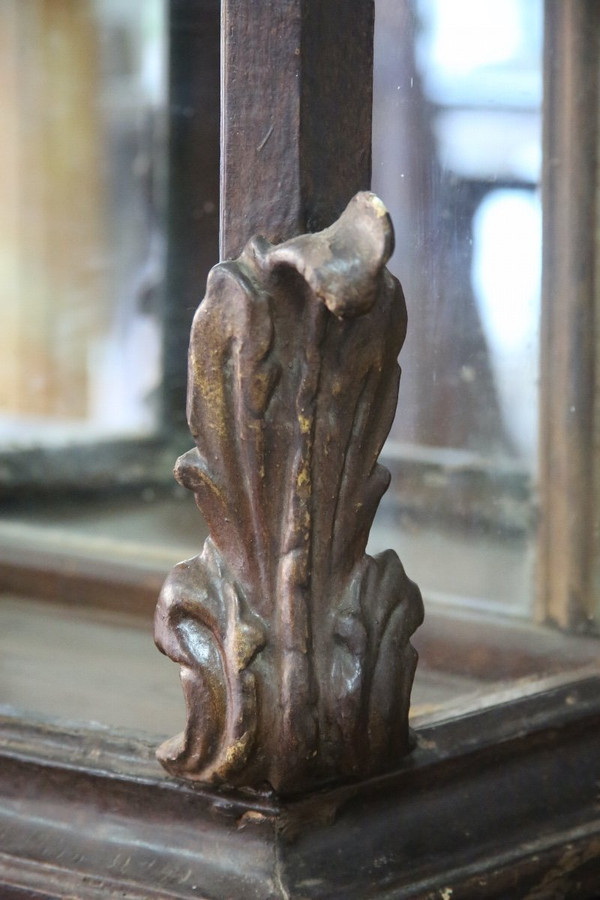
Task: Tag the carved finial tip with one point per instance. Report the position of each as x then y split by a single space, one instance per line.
372 200
369 208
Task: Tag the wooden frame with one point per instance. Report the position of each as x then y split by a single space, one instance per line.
498 803
568 543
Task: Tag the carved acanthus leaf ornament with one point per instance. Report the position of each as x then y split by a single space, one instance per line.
294 645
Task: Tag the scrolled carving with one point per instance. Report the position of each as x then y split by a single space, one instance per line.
293 643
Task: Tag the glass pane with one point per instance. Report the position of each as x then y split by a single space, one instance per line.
457 152
82 101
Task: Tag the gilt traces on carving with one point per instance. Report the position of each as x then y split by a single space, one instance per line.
294 647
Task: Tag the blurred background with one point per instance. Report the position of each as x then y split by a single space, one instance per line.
82 245
457 155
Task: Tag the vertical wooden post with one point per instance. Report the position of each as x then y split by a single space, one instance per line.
296 115
568 467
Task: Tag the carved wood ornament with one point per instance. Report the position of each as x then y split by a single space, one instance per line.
294 645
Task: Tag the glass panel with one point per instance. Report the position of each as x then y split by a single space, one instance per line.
82 104
457 151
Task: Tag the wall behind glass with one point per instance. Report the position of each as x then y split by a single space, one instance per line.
82 99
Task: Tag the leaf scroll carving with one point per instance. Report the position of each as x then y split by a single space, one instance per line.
294 645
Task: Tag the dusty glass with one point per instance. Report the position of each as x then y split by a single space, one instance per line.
457 154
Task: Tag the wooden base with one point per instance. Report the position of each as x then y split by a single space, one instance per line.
498 803
498 800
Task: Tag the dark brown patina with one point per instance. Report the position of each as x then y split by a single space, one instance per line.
293 643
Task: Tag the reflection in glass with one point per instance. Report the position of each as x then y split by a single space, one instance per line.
506 278
457 154
82 94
